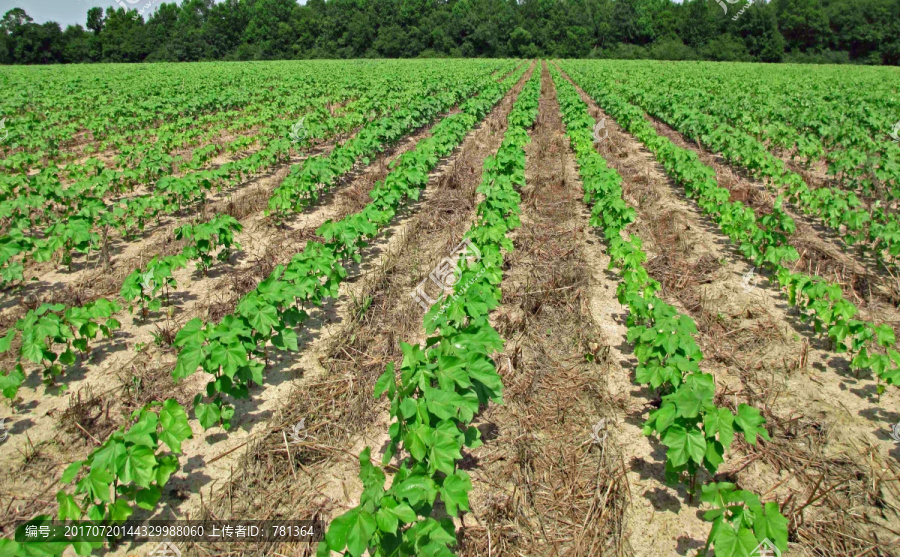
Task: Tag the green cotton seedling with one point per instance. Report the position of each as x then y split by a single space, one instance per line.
870 347
148 284
740 522
763 240
73 235
439 388
265 319
93 217
837 207
44 329
694 430
664 345
13 244
128 470
477 299
386 522
203 239
231 352
10 381
152 284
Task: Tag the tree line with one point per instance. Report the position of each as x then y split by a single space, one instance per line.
816 31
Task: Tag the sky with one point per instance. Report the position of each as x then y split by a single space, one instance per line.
70 12
64 12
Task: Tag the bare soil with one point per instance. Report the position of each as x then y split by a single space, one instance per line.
133 368
258 469
822 253
831 468
542 484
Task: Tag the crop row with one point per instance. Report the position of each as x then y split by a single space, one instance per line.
154 159
216 236
85 226
763 241
315 176
130 468
28 201
844 121
443 386
837 209
39 199
695 431
233 351
300 189
129 112
34 143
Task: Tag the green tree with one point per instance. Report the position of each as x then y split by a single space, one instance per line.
699 23
270 28
95 20
803 23
758 26
520 40
123 38
76 45
861 30
726 48
14 20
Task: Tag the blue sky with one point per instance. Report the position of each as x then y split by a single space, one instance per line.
65 12
68 12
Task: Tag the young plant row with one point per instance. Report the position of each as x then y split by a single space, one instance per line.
152 285
854 158
149 155
89 229
763 241
174 119
40 135
838 209
44 329
235 351
316 175
80 220
130 469
688 422
127 471
51 336
845 121
443 386
148 285
151 160
134 114
48 200
86 226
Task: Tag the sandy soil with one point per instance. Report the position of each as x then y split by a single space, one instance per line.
759 350
541 485
131 369
330 384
